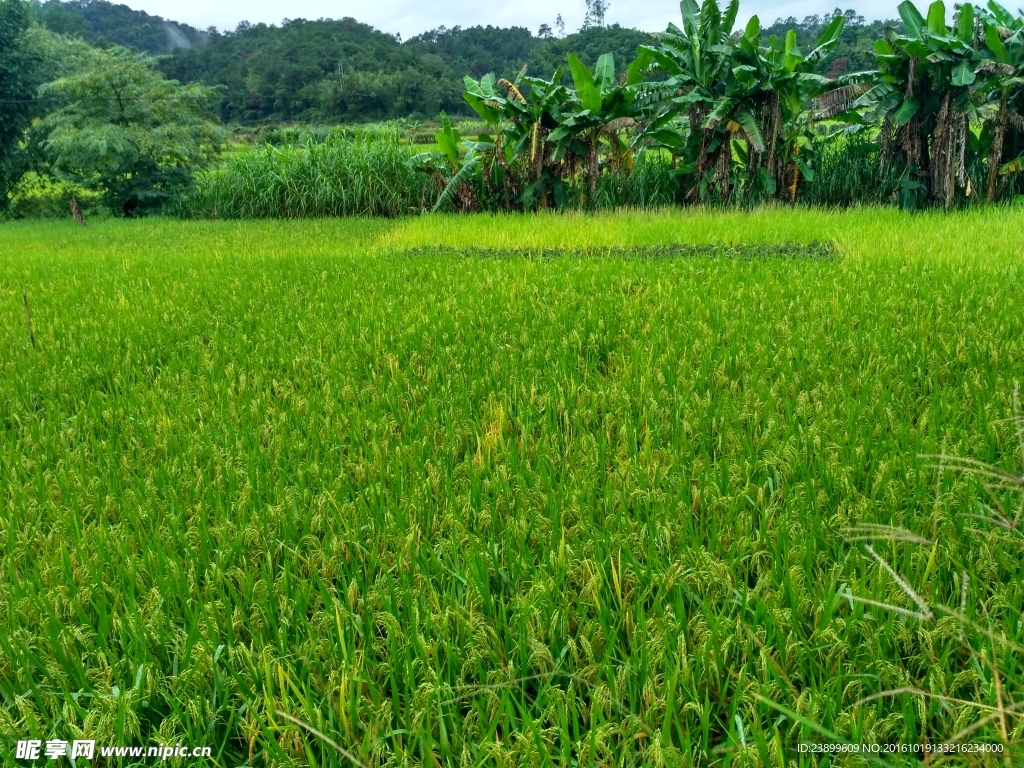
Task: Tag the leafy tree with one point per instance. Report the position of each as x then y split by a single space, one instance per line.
728 97
785 84
102 22
342 70
547 136
596 11
126 131
854 51
19 67
588 45
600 110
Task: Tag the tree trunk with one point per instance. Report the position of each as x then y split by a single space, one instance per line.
593 168
995 154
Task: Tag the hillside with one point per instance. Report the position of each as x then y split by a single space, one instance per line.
101 22
341 70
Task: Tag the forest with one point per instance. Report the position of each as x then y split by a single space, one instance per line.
340 70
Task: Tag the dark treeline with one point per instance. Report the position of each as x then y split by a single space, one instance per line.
855 50
102 23
342 70
346 71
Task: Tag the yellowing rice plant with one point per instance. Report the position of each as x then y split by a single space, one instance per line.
309 493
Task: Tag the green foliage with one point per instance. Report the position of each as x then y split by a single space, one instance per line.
341 70
574 510
18 81
548 141
588 45
104 23
335 176
854 51
1002 135
124 130
931 84
847 173
40 196
316 70
735 110
739 117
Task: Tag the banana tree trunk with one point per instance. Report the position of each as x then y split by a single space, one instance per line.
995 154
593 168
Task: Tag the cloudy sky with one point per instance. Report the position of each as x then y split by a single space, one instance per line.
410 17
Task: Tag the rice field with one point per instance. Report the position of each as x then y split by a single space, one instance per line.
510 490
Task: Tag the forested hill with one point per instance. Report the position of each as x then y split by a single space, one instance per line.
100 22
344 71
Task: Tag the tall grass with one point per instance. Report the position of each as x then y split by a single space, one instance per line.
297 136
652 182
847 172
336 176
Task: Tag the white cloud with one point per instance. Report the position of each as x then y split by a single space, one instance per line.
409 17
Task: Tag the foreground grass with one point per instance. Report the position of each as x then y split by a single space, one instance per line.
477 511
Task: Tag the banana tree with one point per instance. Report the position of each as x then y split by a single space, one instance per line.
600 111
733 98
1004 43
786 85
533 119
923 96
523 121
699 93
461 167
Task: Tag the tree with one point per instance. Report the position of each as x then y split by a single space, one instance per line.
924 95
96 20
544 32
596 11
560 25
18 82
701 99
727 97
603 109
126 131
785 84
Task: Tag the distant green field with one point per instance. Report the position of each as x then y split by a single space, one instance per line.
481 508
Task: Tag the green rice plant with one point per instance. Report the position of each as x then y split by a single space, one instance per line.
445 508
954 606
339 176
